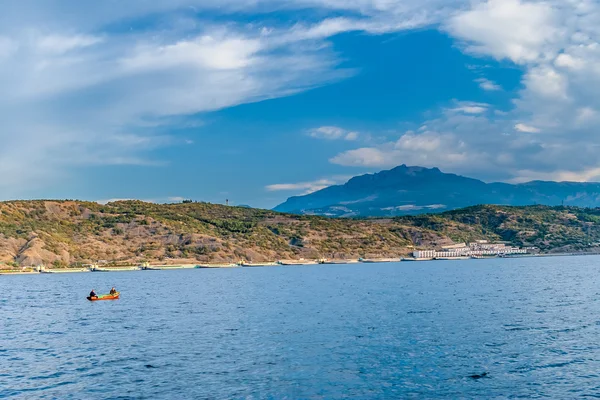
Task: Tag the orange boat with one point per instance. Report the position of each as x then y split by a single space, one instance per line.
104 297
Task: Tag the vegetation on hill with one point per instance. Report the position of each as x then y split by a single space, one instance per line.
550 229
61 233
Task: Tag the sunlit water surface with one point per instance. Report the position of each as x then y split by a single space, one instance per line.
404 330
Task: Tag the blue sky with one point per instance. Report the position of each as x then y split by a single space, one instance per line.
256 101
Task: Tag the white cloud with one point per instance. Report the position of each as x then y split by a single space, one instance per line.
307 187
364 157
86 79
59 44
470 108
526 128
351 136
426 148
507 29
545 81
206 52
567 61
76 93
68 102
586 116
419 142
327 132
333 133
586 175
557 45
488 85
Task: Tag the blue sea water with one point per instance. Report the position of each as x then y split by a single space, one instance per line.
372 331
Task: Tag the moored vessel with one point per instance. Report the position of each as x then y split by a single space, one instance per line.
213 266
113 269
334 261
114 296
264 264
379 260
297 262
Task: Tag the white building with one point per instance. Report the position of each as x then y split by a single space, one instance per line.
427 254
479 248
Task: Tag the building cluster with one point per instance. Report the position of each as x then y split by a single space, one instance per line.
480 248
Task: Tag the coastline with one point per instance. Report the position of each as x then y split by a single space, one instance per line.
288 263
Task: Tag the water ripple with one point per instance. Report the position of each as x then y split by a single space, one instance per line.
493 329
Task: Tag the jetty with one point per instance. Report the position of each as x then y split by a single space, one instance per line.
338 261
379 260
149 267
113 269
258 264
298 262
215 266
63 270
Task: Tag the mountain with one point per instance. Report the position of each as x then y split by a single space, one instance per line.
62 233
417 190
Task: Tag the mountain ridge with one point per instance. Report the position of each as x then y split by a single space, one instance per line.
414 190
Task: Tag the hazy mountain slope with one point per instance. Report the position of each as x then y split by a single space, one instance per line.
416 190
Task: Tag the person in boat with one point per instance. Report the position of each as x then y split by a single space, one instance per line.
93 294
113 290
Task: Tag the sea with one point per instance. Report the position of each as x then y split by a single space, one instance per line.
473 329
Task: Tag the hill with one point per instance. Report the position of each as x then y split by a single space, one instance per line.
67 232
417 190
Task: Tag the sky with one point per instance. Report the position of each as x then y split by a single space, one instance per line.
257 100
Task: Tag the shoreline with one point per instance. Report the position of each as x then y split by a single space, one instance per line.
287 263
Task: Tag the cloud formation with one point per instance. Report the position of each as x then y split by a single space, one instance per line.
550 130
94 84
488 85
307 187
333 133
468 107
526 128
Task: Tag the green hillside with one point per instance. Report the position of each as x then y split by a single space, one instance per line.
69 232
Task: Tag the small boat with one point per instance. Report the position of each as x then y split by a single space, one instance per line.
114 269
149 267
297 262
267 264
104 297
341 262
64 270
379 260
